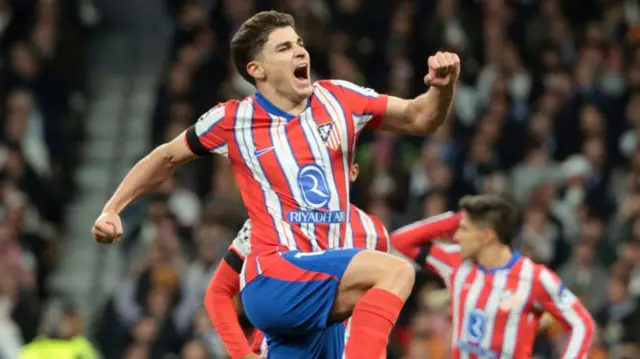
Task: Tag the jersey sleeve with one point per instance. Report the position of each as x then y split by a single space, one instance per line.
442 258
368 107
552 296
209 134
411 238
218 302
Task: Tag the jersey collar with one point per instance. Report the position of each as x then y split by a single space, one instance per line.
273 109
515 256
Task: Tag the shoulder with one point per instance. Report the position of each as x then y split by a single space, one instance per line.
222 109
347 87
223 114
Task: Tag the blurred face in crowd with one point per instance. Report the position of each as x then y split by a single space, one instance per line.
472 238
137 351
434 204
631 250
159 302
193 350
208 245
71 325
146 330
591 122
583 254
284 64
592 230
617 290
23 61
540 126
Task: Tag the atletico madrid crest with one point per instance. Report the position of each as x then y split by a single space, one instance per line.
330 135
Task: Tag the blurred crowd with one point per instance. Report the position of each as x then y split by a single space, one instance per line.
41 92
547 111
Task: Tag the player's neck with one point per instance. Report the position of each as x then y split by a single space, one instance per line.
497 257
276 100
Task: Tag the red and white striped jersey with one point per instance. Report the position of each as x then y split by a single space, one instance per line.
293 171
367 231
495 313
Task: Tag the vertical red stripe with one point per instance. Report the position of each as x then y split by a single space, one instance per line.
502 316
382 244
359 234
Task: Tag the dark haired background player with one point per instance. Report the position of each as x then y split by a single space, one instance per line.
498 296
290 146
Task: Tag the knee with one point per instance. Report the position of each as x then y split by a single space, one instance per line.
401 276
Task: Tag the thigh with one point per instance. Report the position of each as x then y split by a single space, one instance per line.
294 293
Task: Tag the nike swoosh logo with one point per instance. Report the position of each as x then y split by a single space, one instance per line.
262 152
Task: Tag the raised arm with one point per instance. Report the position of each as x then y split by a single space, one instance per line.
205 137
410 239
424 114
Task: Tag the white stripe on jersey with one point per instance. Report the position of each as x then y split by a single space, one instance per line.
207 121
523 292
290 169
371 238
243 130
360 122
458 282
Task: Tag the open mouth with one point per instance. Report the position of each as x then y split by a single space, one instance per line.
301 72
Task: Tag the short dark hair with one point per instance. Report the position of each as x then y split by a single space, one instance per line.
249 40
495 212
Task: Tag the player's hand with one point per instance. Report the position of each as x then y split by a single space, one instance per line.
252 356
444 69
107 228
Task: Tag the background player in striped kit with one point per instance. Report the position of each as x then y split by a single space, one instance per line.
498 296
224 286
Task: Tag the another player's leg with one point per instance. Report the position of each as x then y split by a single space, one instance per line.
373 290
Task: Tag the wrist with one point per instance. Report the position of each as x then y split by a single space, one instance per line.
111 207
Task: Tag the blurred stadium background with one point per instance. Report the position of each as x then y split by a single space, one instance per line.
547 111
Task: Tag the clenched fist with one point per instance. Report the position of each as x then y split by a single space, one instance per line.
107 228
444 69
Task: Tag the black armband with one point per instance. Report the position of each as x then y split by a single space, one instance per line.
194 143
234 261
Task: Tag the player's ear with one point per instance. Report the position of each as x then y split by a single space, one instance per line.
255 70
